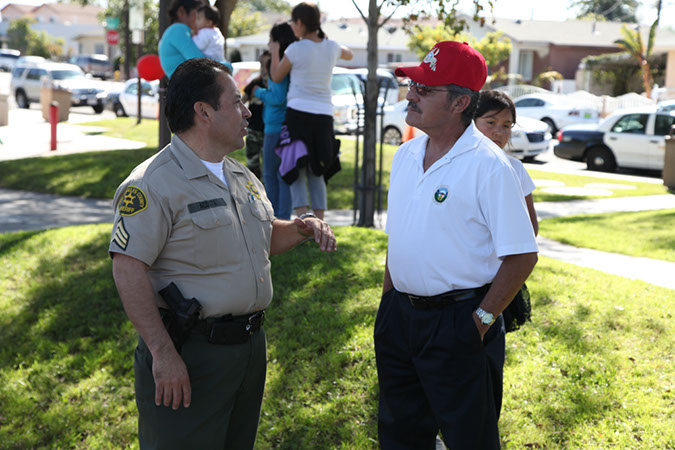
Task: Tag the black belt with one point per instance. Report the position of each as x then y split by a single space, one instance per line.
230 329
449 298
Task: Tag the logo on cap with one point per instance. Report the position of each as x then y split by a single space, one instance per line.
441 194
431 58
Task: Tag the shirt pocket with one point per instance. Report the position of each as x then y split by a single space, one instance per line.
213 235
259 210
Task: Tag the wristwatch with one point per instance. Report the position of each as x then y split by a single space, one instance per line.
308 214
484 316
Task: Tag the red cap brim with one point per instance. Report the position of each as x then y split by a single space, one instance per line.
417 74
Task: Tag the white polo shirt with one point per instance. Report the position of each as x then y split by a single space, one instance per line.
450 226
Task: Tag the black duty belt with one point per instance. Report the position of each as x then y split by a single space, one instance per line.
449 298
227 330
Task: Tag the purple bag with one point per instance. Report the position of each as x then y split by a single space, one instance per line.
291 154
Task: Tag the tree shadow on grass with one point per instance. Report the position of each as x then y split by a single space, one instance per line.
321 389
69 329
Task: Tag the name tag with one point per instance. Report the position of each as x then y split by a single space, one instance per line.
206 204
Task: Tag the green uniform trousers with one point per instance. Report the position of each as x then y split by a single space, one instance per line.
227 388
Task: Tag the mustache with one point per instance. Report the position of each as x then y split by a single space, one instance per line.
413 106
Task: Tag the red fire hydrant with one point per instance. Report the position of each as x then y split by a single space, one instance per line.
53 120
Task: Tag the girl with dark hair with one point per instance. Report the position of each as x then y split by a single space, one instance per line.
495 117
176 45
309 116
274 113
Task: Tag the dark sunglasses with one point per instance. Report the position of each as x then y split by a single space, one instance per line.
422 89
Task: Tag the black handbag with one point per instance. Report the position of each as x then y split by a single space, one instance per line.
519 310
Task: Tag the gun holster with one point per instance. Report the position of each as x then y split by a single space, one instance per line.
182 315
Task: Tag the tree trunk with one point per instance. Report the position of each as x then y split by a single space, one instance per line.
225 7
164 132
127 42
367 204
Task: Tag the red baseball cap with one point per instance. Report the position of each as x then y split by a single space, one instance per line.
449 62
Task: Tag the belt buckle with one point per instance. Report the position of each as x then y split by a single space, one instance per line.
414 298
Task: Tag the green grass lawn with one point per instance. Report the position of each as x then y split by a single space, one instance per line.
593 370
647 233
583 180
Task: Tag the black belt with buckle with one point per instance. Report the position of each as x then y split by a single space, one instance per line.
229 329
449 298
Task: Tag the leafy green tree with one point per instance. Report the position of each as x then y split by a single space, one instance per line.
244 22
612 10
494 46
22 37
117 9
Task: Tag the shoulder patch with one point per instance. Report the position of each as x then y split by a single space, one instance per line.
121 235
133 201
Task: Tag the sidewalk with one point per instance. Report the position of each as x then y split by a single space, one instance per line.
29 135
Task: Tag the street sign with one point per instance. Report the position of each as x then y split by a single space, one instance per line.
136 16
112 37
111 23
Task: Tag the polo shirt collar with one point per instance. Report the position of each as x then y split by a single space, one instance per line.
468 141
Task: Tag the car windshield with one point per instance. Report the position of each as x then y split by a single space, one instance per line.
66 74
342 85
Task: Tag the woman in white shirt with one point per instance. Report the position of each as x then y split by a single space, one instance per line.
309 116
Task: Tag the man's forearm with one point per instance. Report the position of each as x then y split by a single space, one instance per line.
285 236
138 299
509 279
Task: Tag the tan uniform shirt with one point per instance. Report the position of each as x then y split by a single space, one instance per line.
212 240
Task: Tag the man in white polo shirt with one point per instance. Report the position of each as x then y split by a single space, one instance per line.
460 247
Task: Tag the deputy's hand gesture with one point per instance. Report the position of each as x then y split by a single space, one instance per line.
319 230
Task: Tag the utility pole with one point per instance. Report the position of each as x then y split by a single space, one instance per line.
127 41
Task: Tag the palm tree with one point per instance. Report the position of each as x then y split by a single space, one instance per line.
632 43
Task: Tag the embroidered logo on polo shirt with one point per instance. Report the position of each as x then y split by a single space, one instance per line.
121 235
133 201
441 194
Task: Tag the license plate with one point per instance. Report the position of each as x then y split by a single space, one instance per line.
92 100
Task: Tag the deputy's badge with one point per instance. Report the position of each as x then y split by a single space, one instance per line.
441 194
253 191
133 201
431 58
121 235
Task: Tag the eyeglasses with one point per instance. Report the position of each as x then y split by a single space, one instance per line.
422 89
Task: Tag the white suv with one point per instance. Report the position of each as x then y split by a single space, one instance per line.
28 80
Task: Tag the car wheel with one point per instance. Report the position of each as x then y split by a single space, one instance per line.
551 125
22 100
600 159
98 109
392 136
528 159
119 110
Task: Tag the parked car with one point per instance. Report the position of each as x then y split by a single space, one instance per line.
557 111
529 138
632 138
127 99
28 80
29 60
8 59
96 65
387 82
347 101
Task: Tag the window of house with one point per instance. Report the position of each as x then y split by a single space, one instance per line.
99 48
631 123
525 63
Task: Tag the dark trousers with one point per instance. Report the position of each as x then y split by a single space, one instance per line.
434 373
227 388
